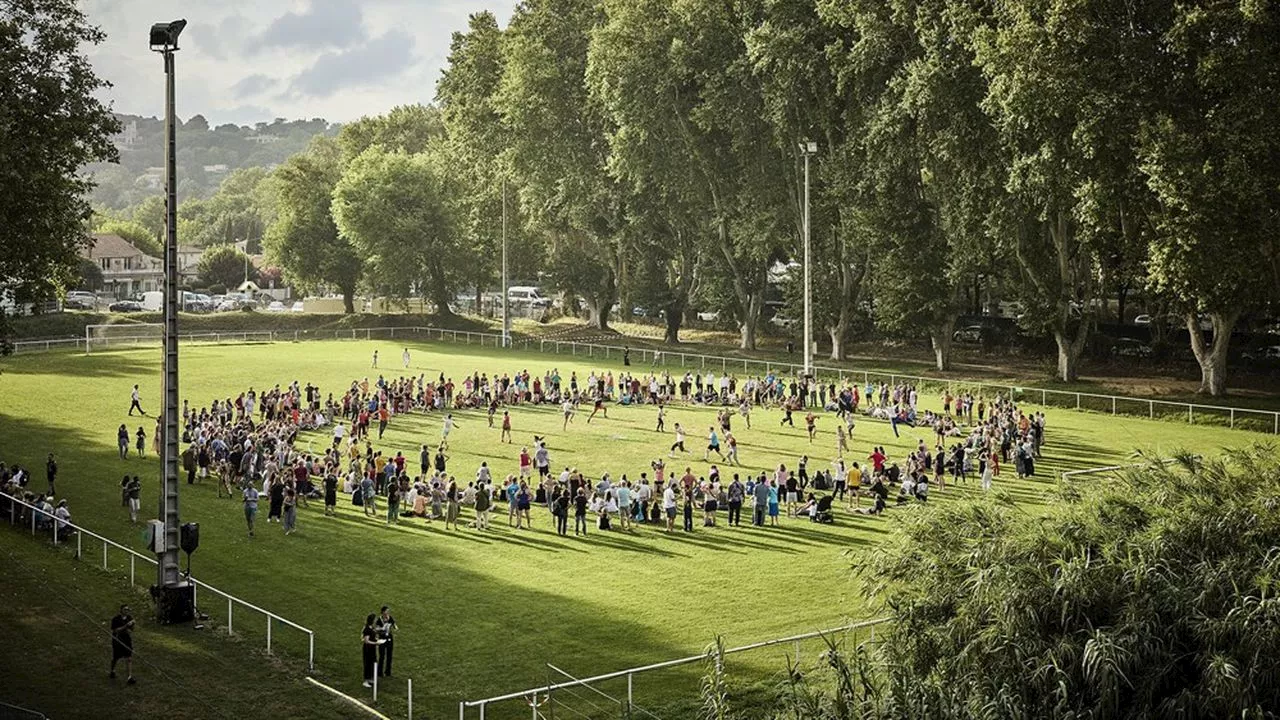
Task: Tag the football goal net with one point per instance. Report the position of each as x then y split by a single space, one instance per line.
101 337
116 335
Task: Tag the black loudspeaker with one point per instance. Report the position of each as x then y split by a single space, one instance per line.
190 537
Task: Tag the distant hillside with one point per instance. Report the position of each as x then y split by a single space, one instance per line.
205 155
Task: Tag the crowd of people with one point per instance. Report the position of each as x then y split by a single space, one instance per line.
249 446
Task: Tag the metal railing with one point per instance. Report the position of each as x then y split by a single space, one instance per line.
62 532
630 673
1194 413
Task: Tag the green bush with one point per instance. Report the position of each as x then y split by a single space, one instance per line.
1151 596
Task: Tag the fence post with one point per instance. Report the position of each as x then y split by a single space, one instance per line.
628 694
268 634
1190 415
311 665
1044 397
230 626
132 559
375 681
1152 403
1277 419
104 554
1113 404
1233 418
410 698
78 553
33 534
462 710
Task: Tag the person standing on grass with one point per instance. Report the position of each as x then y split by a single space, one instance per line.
810 425
275 497
51 472
386 626
483 502
735 494
250 496
760 498
567 408
580 511
122 440
506 432
452 507
842 441
290 511
141 444
404 358
369 646
773 504
560 510
132 489
122 643
330 493
524 501
662 417
393 503
669 506
375 359
445 429
135 402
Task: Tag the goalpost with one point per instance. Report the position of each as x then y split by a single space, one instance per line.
99 337
120 334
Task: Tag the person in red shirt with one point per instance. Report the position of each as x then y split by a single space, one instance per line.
506 432
877 458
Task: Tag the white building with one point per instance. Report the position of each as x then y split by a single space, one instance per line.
126 270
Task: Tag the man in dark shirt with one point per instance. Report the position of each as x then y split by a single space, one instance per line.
51 471
122 642
386 627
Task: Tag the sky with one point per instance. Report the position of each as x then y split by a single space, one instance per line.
244 61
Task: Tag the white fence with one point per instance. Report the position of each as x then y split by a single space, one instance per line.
627 707
1267 421
65 533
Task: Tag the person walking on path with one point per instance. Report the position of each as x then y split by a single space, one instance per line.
132 488
122 440
122 643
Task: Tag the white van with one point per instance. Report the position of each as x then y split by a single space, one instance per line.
526 295
152 300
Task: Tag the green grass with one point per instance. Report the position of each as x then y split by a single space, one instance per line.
482 614
54 614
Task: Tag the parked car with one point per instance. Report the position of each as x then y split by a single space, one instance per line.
276 307
527 296
970 335
1270 353
81 300
1131 347
709 316
296 307
125 306
783 322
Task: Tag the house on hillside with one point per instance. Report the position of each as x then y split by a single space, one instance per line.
125 269
189 263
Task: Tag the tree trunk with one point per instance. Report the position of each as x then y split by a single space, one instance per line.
940 338
672 320
837 342
1069 351
1122 298
748 329
598 313
349 301
441 300
1212 358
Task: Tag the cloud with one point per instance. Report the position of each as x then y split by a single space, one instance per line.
255 84
323 25
377 60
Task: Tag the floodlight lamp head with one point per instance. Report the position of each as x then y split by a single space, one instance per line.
164 36
808 147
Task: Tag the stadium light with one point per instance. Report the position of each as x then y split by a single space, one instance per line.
807 148
174 596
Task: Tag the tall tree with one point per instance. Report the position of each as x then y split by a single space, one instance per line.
1211 155
51 125
558 150
1066 85
225 265
304 239
411 128
475 145
392 207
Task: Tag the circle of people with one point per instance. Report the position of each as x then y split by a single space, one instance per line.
250 444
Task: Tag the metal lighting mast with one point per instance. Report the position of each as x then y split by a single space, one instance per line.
173 596
506 303
807 148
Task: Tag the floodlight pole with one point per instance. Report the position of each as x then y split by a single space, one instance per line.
808 148
168 571
506 302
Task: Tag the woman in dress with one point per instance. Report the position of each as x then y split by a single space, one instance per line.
524 499
276 494
453 508
773 503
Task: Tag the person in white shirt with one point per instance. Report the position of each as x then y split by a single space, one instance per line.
339 432
404 358
135 402
669 506
64 516
567 408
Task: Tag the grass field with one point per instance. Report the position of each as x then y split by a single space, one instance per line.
482 614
